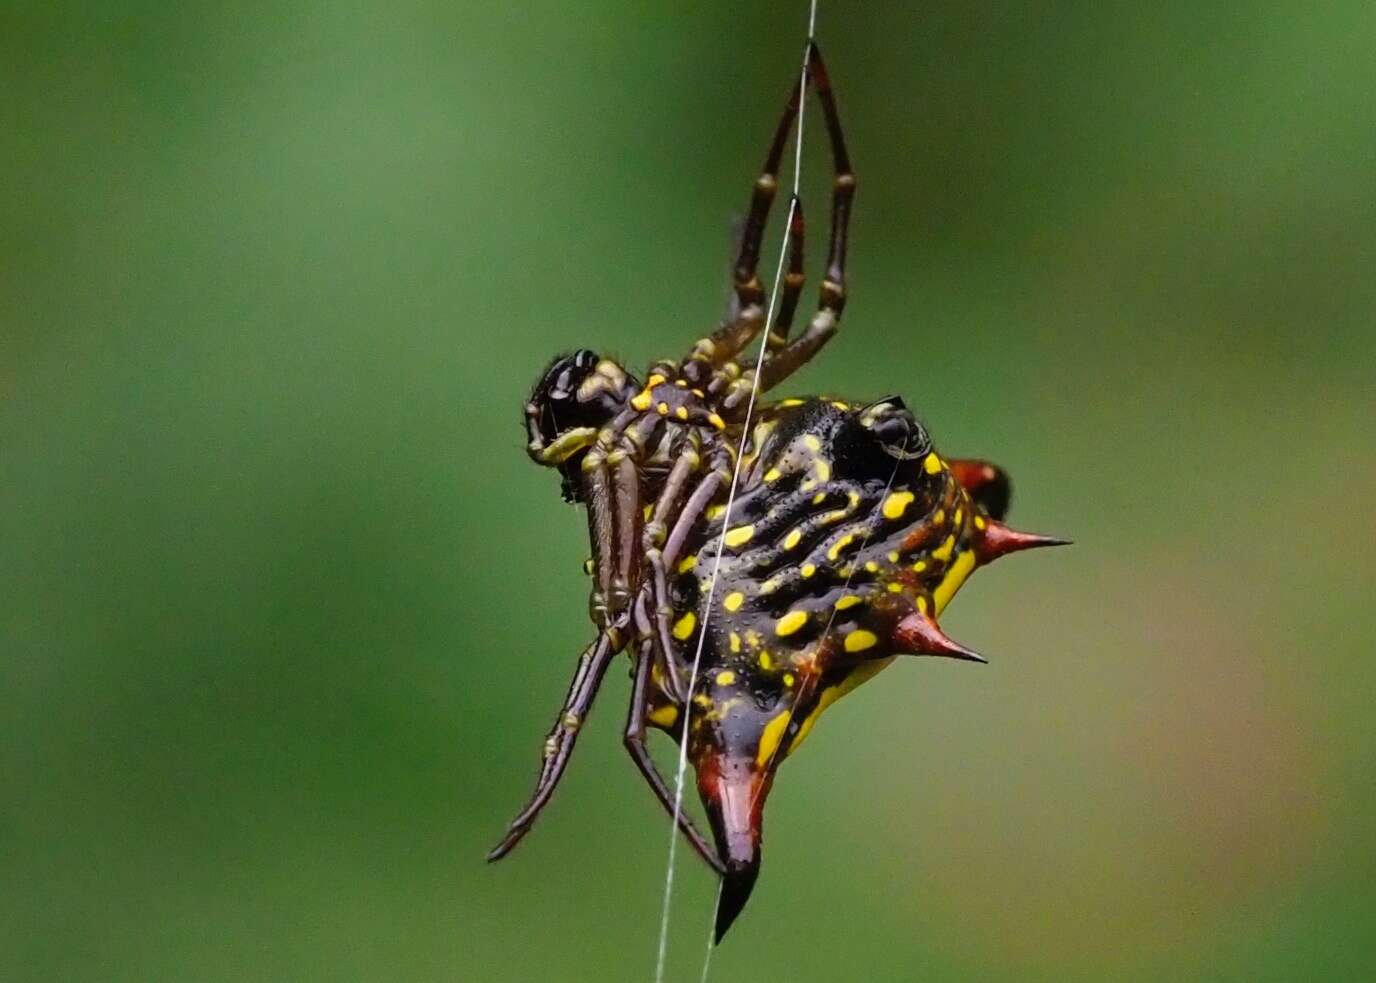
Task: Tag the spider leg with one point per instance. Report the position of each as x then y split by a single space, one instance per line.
686 462
613 513
793 279
592 665
717 478
734 335
640 754
832 294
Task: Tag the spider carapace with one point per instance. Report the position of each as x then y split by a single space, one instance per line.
847 536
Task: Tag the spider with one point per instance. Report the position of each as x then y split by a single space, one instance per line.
848 535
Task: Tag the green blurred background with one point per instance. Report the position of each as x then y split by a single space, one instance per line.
286 612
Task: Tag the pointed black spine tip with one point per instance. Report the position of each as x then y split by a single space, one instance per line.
736 885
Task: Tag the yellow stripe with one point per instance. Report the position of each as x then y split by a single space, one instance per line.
863 672
771 736
955 576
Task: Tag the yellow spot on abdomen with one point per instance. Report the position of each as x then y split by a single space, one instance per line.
790 622
766 661
738 536
733 601
932 465
773 474
793 539
684 626
770 737
687 563
835 552
735 642
726 677
943 552
663 716
641 402
860 639
896 504
953 579
849 601
808 569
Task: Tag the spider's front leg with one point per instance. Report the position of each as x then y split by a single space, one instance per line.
611 487
592 665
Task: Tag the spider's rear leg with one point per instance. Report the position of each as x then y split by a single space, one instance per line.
832 294
793 278
640 754
592 665
731 337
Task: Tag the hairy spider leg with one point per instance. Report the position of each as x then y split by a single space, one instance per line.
592 665
613 516
794 277
717 478
634 740
832 292
724 343
687 460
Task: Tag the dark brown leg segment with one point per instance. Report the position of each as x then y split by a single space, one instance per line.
730 338
832 295
640 753
793 279
559 744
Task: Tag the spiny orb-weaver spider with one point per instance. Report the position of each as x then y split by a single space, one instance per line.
848 536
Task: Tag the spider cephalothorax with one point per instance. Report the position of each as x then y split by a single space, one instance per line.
846 538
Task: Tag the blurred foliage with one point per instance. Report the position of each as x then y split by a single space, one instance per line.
285 612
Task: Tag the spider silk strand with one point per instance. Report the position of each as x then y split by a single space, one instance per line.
726 517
